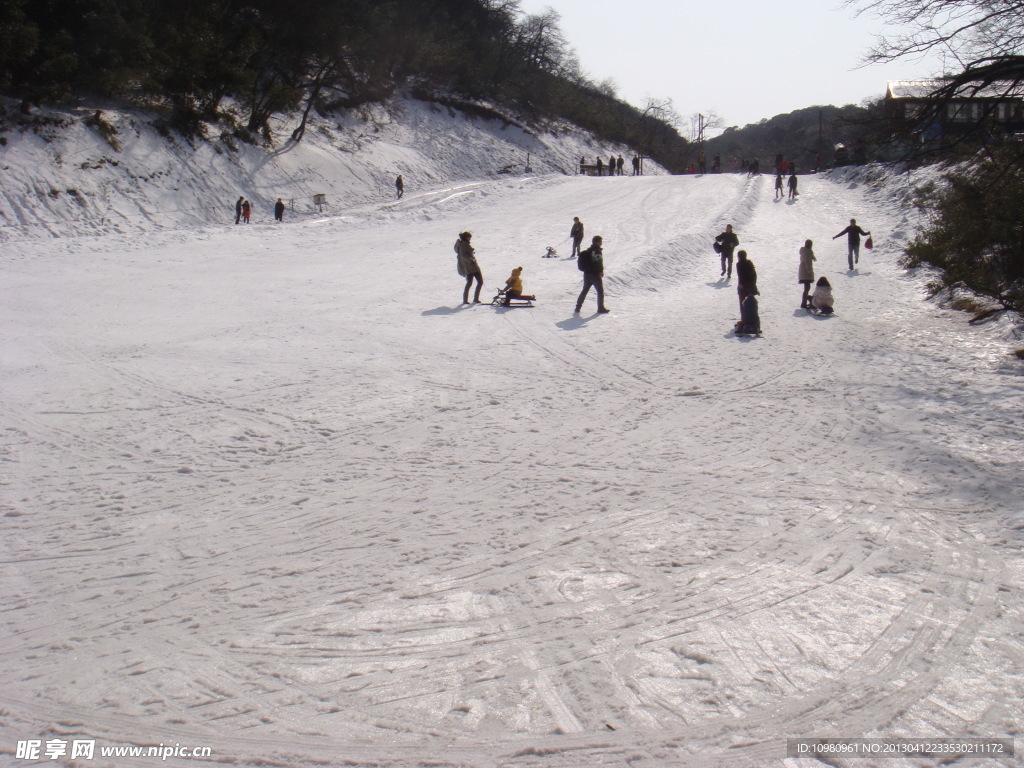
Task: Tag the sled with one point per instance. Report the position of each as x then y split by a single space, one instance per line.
502 300
551 253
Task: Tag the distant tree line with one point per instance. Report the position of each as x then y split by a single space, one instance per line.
294 56
807 137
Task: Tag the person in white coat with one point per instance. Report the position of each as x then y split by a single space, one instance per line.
821 299
805 274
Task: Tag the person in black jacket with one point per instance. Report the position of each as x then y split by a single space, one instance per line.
591 264
747 276
728 241
238 209
576 233
279 210
853 233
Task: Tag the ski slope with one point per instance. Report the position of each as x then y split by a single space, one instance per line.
273 490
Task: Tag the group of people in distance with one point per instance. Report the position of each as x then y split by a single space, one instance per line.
590 262
821 300
243 210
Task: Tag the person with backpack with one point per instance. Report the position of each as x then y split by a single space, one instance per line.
853 233
746 274
805 274
727 242
591 264
467 266
576 233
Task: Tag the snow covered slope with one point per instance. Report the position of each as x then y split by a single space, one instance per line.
274 491
62 176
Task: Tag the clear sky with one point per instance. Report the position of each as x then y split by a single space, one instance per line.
745 59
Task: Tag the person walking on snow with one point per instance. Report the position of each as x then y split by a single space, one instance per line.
468 267
805 274
399 186
792 186
728 240
591 264
576 233
853 233
746 274
779 191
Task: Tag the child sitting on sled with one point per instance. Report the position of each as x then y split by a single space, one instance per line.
821 299
514 287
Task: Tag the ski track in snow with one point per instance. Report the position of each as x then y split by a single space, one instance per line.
277 492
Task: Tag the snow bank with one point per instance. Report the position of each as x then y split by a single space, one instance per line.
67 173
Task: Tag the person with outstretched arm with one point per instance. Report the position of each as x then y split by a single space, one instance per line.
853 233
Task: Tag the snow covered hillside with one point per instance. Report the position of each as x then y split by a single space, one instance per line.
73 174
272 490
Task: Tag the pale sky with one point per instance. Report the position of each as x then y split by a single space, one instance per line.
744 59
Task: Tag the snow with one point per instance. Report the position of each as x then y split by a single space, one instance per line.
273 490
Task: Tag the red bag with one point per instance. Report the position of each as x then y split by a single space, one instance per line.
868 244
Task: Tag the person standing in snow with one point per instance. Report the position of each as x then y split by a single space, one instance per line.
279 210
779 192
611 165
853 233
746 274
600 166
636 165
792 186
805 274
618 165
246 211
238 209
468 267
400 186
591 264
576 233
728 240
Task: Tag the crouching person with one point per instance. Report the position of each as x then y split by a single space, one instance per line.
821 299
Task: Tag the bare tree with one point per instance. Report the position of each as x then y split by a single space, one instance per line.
663 110
968 30
701 123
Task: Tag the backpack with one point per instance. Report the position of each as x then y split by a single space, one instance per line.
583 262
